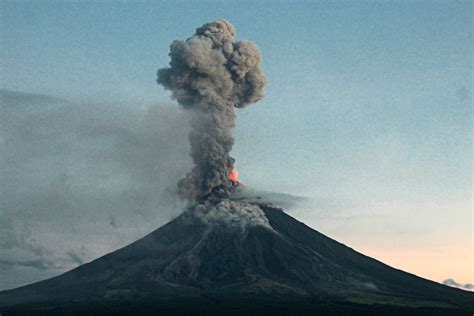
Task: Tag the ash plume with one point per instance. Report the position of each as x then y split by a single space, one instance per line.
209 75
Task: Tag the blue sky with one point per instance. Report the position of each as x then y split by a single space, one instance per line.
368 108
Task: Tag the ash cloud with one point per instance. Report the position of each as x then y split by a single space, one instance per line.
229 213
209 75
67 169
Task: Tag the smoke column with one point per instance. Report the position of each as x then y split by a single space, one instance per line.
209 75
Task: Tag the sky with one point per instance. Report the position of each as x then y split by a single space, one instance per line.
367 114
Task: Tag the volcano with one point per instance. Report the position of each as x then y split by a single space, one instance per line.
255 260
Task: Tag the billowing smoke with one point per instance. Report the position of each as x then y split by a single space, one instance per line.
230 214
210 74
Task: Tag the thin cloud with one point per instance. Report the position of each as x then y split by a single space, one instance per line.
453 283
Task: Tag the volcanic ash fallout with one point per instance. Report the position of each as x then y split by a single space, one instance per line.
209 75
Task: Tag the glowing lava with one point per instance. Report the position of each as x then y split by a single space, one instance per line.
234 175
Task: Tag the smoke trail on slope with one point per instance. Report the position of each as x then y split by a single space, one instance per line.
210 74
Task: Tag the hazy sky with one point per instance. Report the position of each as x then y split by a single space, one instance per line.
368 114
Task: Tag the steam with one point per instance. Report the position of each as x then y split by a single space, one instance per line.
210 74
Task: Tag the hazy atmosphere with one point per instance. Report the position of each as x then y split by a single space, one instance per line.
366 123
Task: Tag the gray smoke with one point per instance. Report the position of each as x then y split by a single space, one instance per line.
210 74
231 214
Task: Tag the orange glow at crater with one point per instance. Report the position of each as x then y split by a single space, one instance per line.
234 175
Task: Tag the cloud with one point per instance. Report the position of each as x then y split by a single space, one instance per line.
39 264
75 257
452 283
287 201
99 175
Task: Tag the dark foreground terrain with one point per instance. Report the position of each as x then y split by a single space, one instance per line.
189 266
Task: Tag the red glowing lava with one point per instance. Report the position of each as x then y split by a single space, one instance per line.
234 175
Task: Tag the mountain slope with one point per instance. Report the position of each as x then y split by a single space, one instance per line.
266 267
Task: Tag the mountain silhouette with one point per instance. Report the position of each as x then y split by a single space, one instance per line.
192 266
